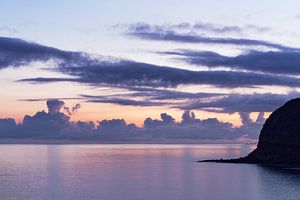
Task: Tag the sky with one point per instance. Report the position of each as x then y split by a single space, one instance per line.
141 66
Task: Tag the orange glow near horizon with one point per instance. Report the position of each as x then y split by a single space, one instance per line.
97 112
12 105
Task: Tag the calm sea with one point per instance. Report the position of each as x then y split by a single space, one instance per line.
139 172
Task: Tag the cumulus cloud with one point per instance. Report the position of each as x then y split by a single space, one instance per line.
54 124
116 129
54 105
8 127
192 128
166 120
71 110
48 123
245 118
250 128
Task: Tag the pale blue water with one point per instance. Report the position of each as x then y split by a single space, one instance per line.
138 172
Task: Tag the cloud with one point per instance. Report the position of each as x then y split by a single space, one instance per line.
115 72
130 73
71 110
250 128
164 33
245 118
9 30
126 102
54 124
191 27
54 105
166 120
46 124
148 97
116 129
277 62
209 27
192 128
265 102
16 52
8 127
46 99
165 94
150 94
51 124
211 102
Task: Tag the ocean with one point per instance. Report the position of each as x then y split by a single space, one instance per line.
139 172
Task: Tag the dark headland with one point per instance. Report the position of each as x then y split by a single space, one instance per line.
279 140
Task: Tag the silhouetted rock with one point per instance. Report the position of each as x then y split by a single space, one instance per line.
279 140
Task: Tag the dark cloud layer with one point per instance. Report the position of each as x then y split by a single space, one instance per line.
266 102
55 124
131 73
283 62
16 52
213 102
148 97
96 71
125 102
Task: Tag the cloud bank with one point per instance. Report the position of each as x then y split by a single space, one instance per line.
54 124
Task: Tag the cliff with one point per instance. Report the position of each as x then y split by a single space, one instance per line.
279 140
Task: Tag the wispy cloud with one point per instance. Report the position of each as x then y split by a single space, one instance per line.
169 33
212 102
198 27
266 102
9 30
124 101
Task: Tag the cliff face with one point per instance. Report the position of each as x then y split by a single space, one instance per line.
279 140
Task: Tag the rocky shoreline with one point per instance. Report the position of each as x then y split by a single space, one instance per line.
279 140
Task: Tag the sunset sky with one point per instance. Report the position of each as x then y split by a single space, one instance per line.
134 60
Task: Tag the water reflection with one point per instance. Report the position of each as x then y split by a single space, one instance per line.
282 181
138 172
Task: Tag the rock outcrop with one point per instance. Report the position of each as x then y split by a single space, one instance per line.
279 140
